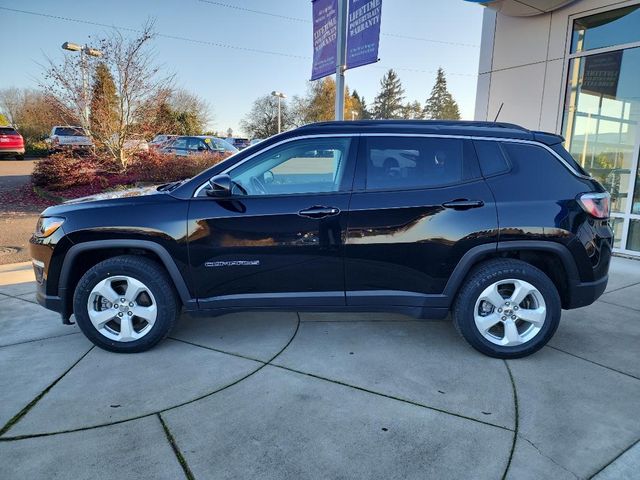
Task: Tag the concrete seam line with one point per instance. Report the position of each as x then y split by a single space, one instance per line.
618 305
621 288
117 422
18 416
594 363
615 458
391 397
176 450
18 298
43 339
516 419
547 456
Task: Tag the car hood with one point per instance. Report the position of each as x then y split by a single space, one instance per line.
121 197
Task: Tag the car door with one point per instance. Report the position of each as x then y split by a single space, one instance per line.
278 240
419 203
178 147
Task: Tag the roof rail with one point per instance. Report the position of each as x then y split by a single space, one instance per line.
425 123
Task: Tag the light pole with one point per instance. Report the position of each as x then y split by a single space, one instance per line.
92 52
280 96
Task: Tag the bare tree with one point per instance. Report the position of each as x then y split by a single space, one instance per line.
262 120
139 88
11 101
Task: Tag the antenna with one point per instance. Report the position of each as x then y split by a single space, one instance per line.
499 110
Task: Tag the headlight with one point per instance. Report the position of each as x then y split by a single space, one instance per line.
47 225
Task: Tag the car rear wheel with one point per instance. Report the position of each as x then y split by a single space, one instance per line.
20 157
507 309
126 304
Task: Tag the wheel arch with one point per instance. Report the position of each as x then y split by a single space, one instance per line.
553 258
91 253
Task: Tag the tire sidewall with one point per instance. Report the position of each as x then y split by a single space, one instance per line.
166 307
528 273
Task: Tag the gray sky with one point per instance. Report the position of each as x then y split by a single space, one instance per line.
262 51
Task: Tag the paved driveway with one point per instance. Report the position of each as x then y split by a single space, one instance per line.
16 221
286 395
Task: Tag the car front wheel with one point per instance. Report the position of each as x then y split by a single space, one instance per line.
507 309
126 304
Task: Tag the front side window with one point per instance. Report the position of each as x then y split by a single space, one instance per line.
196 145
301 166
418 162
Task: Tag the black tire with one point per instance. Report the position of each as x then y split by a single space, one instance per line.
485 275
153 276
20 157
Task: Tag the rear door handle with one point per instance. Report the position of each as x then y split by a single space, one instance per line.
319 212
463 204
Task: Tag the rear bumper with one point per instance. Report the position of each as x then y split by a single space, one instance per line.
12 151
583 294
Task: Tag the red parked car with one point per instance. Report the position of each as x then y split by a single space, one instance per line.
11 143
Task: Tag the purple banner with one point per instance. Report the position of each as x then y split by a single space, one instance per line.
325 29
363 32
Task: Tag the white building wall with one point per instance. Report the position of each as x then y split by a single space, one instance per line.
522 65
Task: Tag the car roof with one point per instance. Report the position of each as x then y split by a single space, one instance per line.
446 127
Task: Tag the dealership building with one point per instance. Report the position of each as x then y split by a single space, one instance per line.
571 67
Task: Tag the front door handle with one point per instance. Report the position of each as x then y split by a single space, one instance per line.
319 212
463 204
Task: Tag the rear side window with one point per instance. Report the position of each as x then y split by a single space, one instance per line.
69 132
394 163
560 150
7 131
491 157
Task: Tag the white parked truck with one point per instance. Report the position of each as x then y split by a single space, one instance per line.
65 137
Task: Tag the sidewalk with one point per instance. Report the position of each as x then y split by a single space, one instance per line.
286 395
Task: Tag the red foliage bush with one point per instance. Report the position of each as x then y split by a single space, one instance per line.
61 171
158 167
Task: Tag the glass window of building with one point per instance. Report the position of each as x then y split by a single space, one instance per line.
616 27
601 121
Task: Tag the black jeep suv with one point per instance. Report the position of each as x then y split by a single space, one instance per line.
494 222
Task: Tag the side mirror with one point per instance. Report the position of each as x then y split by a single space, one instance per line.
220 186
268 177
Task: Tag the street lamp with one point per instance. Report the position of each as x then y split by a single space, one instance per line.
92 52
280 96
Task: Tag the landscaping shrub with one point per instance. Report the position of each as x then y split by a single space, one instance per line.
62 171
159 168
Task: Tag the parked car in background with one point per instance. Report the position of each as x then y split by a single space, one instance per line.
239 143
183 146
11 143
160 141
69 138
493 222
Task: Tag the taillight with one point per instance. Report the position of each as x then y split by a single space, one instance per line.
595 204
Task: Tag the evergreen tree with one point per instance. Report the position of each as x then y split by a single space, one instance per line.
360 106
413 111
103 117
441 105
388 103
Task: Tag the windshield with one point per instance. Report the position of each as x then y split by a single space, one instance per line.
7 131
70 132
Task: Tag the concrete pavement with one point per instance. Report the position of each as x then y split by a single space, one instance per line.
286 395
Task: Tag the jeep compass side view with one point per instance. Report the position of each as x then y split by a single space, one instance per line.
490 221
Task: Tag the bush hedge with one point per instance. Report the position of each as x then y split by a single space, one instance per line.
63 171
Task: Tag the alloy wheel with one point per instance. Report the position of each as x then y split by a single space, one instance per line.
122 308
510 312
